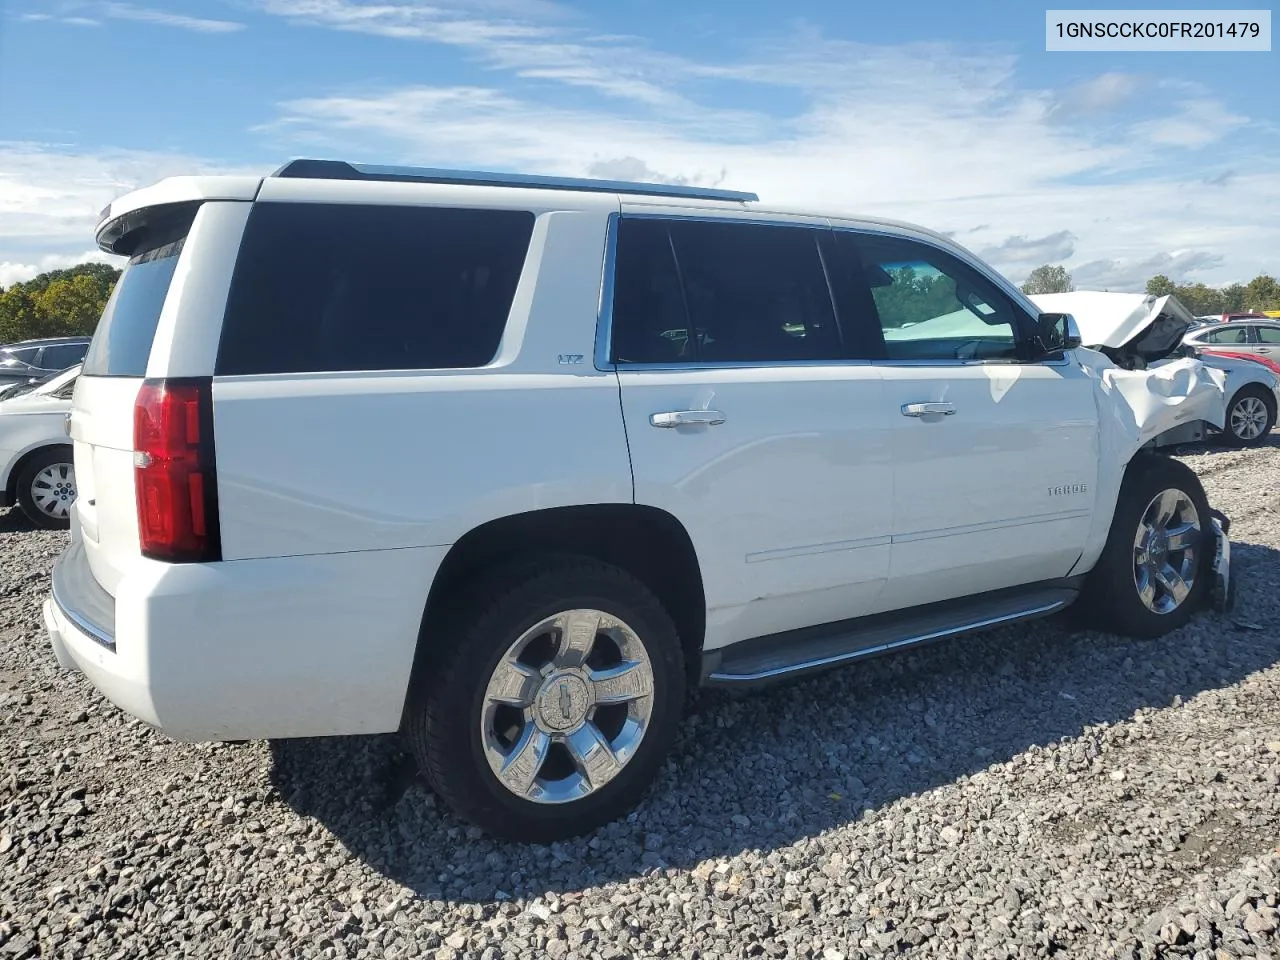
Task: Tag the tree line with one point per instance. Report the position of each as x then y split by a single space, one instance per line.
1259 294
59 303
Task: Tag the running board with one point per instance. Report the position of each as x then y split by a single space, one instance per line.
794 653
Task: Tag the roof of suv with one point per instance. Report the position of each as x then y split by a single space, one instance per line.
113 221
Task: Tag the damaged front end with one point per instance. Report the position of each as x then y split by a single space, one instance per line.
1151 392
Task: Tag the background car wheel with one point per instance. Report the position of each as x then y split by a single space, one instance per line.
546 709
1250 416
47 488
1154 570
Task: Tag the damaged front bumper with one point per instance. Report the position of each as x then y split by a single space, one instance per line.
1222 589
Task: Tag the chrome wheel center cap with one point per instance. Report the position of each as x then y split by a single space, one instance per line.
562 702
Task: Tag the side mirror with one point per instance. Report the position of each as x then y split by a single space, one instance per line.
1054 333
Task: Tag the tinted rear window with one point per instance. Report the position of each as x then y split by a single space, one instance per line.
329 287
122 342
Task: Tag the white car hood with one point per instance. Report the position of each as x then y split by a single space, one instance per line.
1117 320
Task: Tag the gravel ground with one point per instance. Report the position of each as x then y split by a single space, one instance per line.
1036 791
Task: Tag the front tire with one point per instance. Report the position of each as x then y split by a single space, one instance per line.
47 488
1153 573
1250 416
551 703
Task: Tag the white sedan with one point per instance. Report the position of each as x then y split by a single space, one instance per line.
36 470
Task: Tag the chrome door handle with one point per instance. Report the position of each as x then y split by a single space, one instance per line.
678 418
924 409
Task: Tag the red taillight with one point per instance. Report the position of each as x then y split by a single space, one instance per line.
173 471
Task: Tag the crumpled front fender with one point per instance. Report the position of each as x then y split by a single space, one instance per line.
1135 407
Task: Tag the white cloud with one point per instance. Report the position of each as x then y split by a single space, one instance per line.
1033 251
127 11
50 197
1197 123
1107 91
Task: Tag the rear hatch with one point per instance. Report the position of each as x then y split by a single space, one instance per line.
102 406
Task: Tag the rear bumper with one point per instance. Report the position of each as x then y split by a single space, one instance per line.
248 649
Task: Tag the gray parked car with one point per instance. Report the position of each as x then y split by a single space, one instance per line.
30 360
1259 337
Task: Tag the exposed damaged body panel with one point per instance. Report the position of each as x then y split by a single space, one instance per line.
1133 329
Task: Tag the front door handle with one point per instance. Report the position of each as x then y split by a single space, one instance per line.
925 409
679 418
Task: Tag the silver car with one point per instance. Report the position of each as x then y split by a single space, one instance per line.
1258 337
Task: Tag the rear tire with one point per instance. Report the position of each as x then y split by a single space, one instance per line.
47 488
1154 571
1250 416
545 706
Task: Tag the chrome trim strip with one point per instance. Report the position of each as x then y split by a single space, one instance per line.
882 648
787 553
988 525
94 632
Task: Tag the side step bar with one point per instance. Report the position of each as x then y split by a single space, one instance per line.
795 653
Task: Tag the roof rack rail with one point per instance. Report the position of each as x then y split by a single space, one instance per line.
342 170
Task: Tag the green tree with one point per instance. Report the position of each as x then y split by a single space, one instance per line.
1049 278
1233 298
1200 299
19 316
71 307
57 303
1160 286
1262 293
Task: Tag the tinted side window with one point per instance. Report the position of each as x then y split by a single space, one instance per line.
695 291
321 287
650 324
1269 334
22 354
932 306
62 356
1237 335
755 292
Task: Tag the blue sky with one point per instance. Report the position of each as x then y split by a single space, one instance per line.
1119 165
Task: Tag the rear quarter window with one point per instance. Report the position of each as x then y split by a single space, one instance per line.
345 287
121 344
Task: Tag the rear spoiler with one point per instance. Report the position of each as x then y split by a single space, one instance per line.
122 217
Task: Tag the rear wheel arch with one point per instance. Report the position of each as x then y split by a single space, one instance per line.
646 542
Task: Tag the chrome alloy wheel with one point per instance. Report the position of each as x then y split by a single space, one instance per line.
567 706
53 490
1166 551
1248 418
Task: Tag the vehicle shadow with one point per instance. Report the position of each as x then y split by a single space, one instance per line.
13 520
767 769
1218 446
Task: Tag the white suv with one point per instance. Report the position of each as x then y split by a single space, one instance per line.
507 464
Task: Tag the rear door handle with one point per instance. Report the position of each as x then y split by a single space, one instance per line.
678 418
925 409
